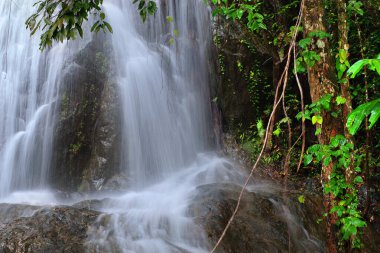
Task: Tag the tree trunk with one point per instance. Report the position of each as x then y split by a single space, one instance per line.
321 79
344 81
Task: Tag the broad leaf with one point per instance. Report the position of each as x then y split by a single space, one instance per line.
356 118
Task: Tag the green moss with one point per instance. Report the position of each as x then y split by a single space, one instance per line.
76 147
64 106
251 147
102 63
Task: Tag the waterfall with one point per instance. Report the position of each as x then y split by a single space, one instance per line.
162 70
28 88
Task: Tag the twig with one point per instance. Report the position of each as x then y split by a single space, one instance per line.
287 158
302 110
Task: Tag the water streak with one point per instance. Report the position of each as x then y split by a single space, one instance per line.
164 86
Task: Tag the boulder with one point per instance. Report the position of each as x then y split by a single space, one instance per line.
48 229
262 224
87 133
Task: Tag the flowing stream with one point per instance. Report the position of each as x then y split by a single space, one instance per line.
163 75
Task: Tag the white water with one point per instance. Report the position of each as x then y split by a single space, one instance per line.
28 92
156 219
164 93
164 88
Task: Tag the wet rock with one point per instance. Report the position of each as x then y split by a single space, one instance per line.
92 204
233 150
117 182
10 212
55 229
262 224
244 76
87 135
101 236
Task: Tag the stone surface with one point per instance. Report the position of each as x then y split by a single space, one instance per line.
48 229
244 77
262 223
87 135
270 219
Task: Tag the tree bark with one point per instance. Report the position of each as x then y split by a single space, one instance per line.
344 82
321 79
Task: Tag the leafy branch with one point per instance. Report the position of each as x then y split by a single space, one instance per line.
63 20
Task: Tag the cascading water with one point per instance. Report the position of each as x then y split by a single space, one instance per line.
164 82
163 73
28 89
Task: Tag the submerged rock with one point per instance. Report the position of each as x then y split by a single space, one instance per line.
48 229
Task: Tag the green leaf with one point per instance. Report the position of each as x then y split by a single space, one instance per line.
315 148
357 116
317 119
358 223
355 68
304 43
340 100
375 114
301 199
319 34
307 159
358 180
348 230
299 116
80 31
376 64
342 55
327 161
334 142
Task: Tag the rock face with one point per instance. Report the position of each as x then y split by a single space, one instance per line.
57 229
243 79
263 223
88 128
